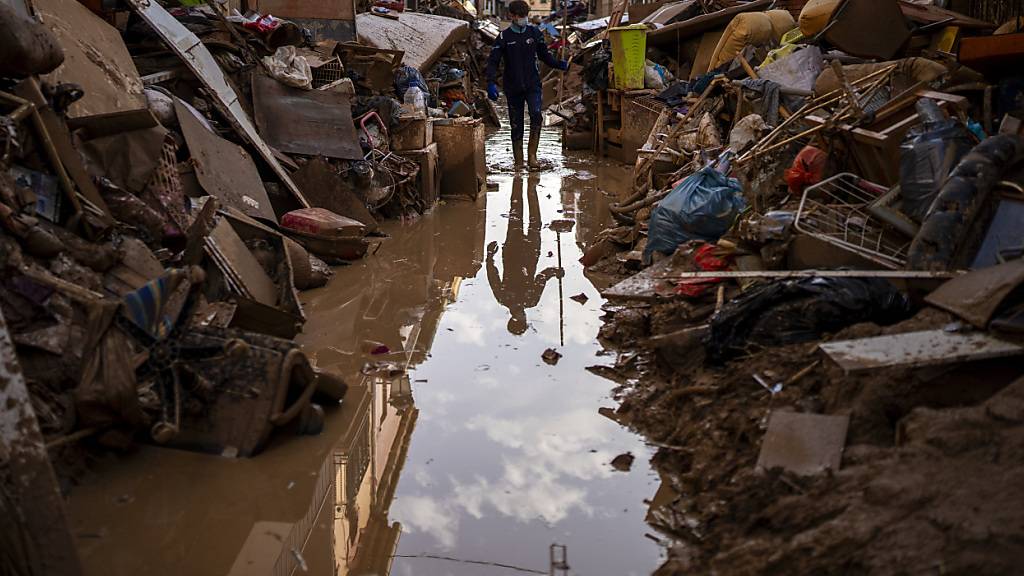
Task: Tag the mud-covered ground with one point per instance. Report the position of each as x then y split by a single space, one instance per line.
930 476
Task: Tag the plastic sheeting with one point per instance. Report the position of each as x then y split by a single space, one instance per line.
793 311
701 207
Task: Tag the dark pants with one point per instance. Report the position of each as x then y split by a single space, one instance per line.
516 104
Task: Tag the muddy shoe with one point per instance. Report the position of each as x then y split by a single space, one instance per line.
517 155
534 144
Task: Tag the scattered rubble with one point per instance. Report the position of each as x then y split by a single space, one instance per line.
170 176
806 264
818 296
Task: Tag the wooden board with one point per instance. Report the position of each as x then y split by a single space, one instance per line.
321 9
95 58
245 266
308 122
324 188
708 42
223 168
976 296
916 349
803 443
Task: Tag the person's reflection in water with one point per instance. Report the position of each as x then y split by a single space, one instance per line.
520 287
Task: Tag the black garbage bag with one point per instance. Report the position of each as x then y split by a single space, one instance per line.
406 77
801 310
595 72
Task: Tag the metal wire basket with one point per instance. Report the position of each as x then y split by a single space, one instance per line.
838 211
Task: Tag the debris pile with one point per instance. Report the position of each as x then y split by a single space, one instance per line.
818 261
171 175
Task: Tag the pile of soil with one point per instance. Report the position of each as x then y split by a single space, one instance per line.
928 475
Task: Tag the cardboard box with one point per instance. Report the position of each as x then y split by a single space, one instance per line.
412 133
461 156
429 179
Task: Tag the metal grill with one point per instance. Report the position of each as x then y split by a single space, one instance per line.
327 73
165 190
649 104
836 211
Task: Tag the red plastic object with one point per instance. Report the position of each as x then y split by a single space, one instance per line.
322 222
383 128
705 260
808 168
263 24
393 5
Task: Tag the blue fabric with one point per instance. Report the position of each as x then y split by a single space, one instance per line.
520 52
492 91
144 307
517 103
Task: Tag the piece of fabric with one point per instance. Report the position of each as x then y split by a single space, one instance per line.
705 260
106 393
519 51
769 98
517 104
288 68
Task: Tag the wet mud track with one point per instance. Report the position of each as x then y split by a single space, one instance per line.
458 450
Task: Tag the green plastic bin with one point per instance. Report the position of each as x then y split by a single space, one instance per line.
629 54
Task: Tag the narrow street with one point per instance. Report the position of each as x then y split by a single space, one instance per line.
275 300
456 440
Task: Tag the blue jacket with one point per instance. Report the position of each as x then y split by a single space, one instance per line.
520 50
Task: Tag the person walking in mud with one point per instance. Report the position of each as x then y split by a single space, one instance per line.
519 46
519 287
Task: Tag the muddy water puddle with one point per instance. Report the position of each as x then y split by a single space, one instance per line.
458 450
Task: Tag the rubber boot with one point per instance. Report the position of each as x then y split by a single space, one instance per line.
534 143
517 154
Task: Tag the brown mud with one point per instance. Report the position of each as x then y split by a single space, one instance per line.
925 485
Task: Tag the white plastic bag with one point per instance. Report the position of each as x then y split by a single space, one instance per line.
798 70
287 67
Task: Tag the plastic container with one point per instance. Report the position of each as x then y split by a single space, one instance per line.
322 222
415 101
928 154
629 54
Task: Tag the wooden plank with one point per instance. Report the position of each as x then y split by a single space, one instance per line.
932 14
917 349
38 538
243 264
643 286
976 296
898 274
322 9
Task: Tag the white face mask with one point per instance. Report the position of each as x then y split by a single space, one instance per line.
521 22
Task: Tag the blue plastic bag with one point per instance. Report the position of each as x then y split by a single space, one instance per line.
406 77
701 207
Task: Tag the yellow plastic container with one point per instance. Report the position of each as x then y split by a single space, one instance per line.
629 55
